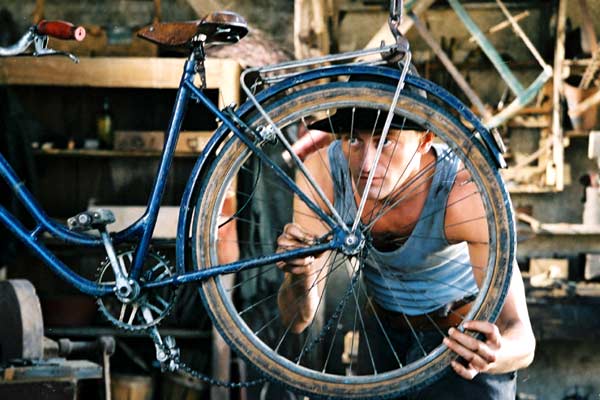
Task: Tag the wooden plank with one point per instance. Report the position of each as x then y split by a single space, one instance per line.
557 90
114 72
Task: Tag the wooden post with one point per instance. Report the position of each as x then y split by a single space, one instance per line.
157 17
38 11
311 33
557 132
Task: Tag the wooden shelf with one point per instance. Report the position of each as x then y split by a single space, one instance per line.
118 72
94 331
84 153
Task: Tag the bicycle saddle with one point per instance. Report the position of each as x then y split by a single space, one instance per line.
221 27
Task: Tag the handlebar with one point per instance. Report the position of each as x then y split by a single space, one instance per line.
61 30
38 36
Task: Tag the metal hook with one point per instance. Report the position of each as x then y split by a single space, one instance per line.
396 7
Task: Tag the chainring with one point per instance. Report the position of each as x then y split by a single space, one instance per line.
151 306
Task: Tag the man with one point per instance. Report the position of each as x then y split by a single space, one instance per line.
434 187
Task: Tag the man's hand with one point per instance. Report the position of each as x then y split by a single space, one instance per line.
294 237
480 356
299 294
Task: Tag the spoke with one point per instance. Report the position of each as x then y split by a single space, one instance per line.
273 204
263 271
383 330
400 195
431 214
396 198
466 221
378 267
304 346
384 133
403 194
427 216
380 324
362 324
337 322
296 302
395 274
300 298
162 301
122 313
468 294
263 300
387 167
409 324
133 313
154 308
402 239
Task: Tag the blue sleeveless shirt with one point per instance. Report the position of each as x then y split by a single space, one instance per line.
426 272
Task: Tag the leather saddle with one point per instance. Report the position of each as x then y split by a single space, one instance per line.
221 27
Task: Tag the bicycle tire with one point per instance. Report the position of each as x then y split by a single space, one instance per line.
237 323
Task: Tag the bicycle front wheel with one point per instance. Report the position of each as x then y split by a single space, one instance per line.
361 343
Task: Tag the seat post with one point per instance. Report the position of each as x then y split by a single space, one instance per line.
198 56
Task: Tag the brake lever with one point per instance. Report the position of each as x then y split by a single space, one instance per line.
41 49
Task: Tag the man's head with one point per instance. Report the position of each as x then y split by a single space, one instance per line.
400 159
360 131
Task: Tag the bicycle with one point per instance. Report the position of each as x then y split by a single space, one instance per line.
136 289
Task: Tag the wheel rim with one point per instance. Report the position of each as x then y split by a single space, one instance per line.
237 330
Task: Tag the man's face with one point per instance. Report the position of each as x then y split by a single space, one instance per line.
399 160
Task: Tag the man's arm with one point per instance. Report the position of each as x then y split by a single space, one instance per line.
304 278
303 283
509 344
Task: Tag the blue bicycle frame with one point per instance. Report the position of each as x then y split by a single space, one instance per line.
141 230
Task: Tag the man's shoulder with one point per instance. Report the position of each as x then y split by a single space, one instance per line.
465 213
317 162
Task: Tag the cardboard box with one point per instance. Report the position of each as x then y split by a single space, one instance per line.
189 141
139 140
192 141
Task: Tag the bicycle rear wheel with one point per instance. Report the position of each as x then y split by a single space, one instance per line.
339 355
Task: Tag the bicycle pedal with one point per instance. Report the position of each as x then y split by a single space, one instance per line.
89 220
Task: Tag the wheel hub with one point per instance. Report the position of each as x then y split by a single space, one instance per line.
352 243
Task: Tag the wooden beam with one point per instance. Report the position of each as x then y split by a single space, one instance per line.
557 89
311 33
115 72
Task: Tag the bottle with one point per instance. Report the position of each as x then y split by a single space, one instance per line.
104 126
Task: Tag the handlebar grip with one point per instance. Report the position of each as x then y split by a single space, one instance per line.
61 30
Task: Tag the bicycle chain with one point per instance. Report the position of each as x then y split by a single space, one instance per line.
182 367
185 369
